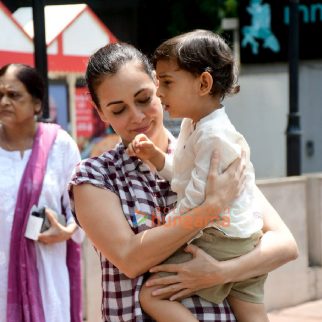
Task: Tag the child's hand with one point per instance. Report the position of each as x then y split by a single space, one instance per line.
142 147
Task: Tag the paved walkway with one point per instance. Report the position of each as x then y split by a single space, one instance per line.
307 312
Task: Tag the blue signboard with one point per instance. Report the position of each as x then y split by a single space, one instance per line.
58 103
264 30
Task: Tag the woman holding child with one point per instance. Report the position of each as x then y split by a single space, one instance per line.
115 196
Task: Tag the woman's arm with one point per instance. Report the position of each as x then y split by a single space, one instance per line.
100 214
276 248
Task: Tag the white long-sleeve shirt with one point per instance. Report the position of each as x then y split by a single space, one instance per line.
188 171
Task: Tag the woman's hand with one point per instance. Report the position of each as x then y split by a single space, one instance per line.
223 188
277 247
201 272
57 232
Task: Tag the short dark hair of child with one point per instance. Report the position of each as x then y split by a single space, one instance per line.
201 51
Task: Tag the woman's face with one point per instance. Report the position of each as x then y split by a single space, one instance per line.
16 104
129 103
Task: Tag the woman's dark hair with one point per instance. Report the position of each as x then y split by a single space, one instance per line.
201 51
108 60
31 79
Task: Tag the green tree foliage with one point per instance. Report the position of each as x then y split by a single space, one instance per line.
161 19
190 14
231 8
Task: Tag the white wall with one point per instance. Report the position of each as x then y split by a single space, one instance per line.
11 37
311 114
259 111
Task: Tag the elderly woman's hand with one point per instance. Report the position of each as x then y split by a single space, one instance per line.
201 272
57 232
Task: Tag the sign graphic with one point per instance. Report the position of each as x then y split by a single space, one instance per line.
260 28
264 30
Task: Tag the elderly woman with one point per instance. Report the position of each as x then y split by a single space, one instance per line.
36 162
121 202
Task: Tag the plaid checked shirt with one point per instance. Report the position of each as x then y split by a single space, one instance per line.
145 199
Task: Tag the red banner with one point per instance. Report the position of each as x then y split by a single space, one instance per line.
84 113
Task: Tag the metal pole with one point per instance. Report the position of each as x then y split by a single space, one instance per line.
293 127
40 52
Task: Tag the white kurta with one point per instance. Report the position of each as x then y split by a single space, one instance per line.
189 169
51 259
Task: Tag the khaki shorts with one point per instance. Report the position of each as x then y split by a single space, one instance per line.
223 247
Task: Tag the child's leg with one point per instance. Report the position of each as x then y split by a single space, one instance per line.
163 310
247 311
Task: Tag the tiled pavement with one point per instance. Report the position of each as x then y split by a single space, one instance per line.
307 312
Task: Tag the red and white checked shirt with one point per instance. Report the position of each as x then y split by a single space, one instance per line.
145 200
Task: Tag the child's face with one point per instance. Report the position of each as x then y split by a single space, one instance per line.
178 90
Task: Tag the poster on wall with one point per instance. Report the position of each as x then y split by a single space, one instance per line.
58 103
84 113
264 30
89 127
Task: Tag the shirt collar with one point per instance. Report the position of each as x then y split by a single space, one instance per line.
217 113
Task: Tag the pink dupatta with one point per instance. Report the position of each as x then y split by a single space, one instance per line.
24 303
